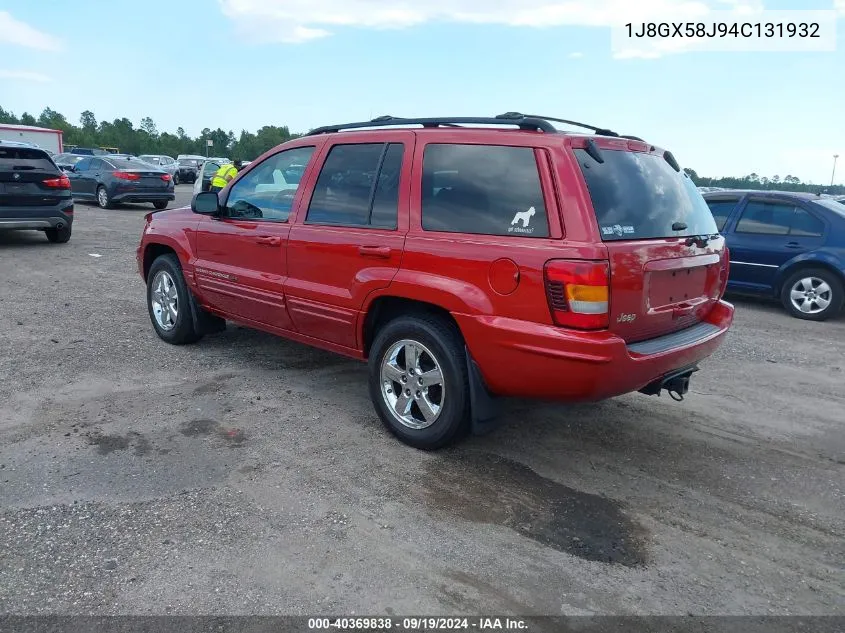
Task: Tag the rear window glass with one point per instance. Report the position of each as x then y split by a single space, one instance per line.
482 189
129 163
639 196
24 159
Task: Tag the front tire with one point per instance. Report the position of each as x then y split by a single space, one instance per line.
814 294
103 200
168 302
160 205
418 381
59 236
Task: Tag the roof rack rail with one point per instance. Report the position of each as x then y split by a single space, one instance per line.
598 130
523 122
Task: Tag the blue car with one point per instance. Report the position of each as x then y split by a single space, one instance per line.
116 178
787 245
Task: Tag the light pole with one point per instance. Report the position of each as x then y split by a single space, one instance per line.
835 156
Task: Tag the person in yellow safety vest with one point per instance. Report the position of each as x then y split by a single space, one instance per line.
224 175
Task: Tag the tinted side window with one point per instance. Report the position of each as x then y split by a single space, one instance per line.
358 186
806 225
264 193
766 218
97 164
482 189
721 210
83 165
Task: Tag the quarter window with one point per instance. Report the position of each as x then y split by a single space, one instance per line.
264 193
358 186
482 189
806 225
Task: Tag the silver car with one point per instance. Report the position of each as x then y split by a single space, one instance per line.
166 163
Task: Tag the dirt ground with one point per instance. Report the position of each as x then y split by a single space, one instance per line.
249 475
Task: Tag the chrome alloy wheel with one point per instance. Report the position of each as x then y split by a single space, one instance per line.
412 384
102 197
164 300
811 295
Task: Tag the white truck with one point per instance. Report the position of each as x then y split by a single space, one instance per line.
50 140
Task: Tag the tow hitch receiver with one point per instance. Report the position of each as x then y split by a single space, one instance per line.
676 383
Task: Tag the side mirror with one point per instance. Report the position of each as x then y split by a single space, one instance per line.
69 168
206 203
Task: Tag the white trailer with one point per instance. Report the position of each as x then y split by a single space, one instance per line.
43 137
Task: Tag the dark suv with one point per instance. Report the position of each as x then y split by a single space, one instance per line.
787 245
463 261
34 193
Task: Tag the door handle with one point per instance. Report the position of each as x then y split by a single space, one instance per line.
268 241
382 252
793 245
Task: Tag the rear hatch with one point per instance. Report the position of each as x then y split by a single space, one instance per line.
25 174
668 264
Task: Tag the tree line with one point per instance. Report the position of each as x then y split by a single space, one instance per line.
755 181
146 139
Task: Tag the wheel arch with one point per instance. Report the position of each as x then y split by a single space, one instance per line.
792 267
384 308
153 250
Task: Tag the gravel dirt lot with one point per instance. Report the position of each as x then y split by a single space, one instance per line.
250 475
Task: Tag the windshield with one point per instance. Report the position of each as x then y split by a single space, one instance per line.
187 162
639 196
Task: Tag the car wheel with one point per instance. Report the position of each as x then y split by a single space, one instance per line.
168 302
160 205
59 236
418 381
814 294
103 199
176 178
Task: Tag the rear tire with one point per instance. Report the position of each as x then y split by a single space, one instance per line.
421 407
58 236
814 294
167 294
103 200
160 205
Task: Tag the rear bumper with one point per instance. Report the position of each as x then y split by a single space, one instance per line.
144 196
532 360
39 218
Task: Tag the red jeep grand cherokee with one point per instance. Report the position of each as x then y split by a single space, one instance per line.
464 258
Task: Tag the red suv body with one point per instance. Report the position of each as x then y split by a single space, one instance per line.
462 262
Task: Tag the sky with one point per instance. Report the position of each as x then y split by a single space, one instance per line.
242 64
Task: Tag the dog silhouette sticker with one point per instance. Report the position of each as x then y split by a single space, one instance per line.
524 218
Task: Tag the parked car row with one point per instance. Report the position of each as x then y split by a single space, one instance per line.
790 246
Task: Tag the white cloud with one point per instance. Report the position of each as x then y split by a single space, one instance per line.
295 21
14 31
24 75
576 55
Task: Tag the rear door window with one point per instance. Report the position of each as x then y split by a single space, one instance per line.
721 210
638 196
482 189
766 218
358 186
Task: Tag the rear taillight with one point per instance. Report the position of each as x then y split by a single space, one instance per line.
578 293
165 177
125 175
724 271
62 182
